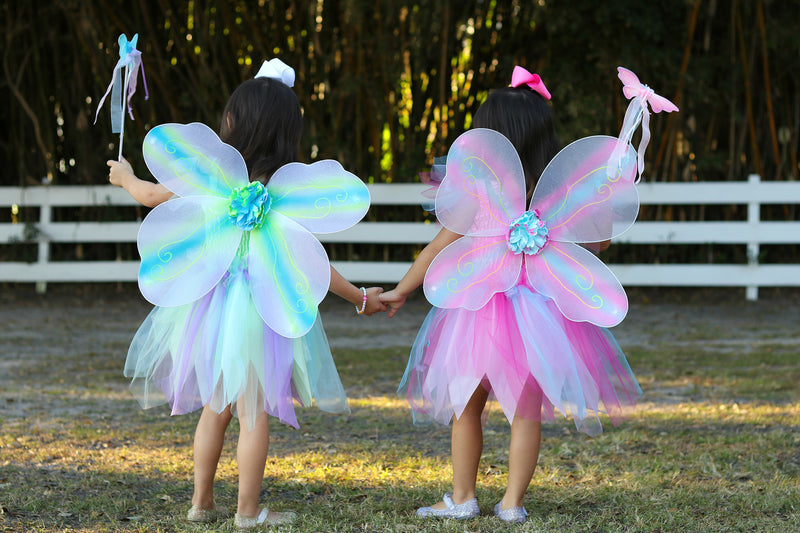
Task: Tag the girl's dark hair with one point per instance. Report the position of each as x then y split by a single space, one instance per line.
524 117
263 121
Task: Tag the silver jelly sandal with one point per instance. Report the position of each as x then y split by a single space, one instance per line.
245 523
198 515
468 509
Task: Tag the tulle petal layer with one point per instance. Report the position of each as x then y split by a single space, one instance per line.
217 351
533 360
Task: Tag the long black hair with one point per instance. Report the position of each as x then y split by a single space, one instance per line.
263 121
524 117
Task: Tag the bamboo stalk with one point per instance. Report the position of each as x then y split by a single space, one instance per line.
687 51
747 64
767 89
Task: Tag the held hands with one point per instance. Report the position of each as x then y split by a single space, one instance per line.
374 304
394 299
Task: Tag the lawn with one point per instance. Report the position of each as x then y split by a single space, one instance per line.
714 446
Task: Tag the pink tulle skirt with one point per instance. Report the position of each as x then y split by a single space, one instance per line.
527 355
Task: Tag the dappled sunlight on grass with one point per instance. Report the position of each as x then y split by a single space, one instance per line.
713 446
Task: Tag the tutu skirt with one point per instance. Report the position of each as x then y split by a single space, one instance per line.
527 355
217 351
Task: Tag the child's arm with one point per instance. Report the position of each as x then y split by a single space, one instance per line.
597 247
146 193
396 297
344 289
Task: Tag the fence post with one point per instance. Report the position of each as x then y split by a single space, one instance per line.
45 212
753 248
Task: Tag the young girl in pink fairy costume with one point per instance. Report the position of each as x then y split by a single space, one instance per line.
521 303
229 258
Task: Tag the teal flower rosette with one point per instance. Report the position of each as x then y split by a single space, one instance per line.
188 243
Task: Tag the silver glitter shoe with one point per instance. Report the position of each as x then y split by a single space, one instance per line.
468 509
199 515
512 514
264 520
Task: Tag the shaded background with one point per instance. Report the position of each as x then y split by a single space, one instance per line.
386 86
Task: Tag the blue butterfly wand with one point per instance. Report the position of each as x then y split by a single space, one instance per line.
123 85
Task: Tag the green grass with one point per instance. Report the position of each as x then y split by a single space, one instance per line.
715 446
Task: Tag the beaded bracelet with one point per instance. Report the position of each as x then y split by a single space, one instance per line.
363 302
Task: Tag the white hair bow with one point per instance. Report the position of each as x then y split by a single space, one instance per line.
275 68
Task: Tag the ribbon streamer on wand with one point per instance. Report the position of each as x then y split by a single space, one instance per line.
123 85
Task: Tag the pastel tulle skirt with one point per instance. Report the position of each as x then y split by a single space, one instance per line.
218 352
527 355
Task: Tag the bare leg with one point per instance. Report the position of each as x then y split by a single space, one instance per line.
251 455
466 447
208 439
523 454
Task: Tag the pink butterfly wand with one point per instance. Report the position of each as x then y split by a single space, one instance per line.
123 85
640 96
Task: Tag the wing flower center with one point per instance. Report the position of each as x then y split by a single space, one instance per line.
249 206
527 234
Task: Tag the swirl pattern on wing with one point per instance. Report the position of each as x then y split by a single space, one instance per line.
583 288
484 187
289 275
186 246
322 197
189 159
470 270
579 200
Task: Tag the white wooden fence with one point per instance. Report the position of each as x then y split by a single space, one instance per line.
753 232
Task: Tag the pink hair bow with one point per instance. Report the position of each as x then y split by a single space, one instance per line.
521 76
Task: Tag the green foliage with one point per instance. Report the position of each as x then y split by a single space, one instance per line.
386 86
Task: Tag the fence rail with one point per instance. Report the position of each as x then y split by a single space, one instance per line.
753 233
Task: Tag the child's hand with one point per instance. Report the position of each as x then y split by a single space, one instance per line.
119 172
394 300
374 305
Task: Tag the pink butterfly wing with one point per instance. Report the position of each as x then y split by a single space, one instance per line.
631 84
484 187
470 270
579 200
583 288
659 103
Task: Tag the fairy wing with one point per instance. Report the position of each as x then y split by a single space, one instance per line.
322 197
482 192
580 200
470 270
583 288
484 185
189 159
186 246
289 275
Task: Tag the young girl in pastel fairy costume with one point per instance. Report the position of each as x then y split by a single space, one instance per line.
500 325
236 275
